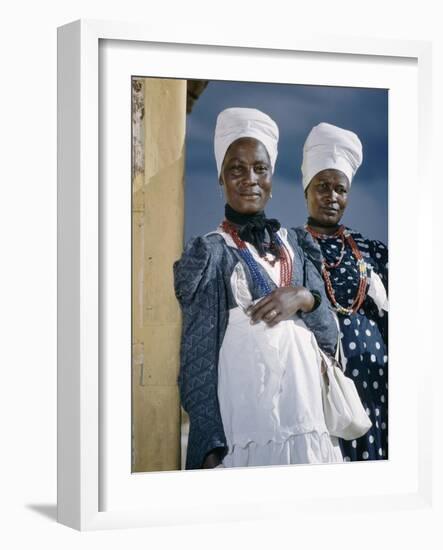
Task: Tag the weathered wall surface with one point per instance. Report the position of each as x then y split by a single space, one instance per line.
159 118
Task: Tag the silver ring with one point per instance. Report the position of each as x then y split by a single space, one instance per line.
273 313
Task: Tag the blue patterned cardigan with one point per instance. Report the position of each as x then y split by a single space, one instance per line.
202 286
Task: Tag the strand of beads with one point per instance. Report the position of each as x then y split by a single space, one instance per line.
285 264
285 260
338 234
358 300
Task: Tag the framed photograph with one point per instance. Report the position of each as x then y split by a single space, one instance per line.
182 181
130 194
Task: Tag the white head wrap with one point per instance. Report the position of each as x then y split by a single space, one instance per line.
239 122
330 147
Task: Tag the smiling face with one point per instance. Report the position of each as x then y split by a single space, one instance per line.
327 197
246 176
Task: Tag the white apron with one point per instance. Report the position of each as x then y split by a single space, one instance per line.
269 388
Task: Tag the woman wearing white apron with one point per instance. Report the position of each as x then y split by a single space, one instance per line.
252 390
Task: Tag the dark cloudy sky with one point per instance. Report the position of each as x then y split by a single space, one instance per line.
295 109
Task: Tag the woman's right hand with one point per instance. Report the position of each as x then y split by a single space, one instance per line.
281 304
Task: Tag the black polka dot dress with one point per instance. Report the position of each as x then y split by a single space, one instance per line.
364 338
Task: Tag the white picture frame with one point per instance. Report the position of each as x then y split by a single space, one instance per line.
95 492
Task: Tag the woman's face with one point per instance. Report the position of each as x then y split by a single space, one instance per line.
246 176
327 196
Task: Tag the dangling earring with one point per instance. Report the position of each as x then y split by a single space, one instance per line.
220 185
270 195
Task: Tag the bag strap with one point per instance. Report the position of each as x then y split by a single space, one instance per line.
340 356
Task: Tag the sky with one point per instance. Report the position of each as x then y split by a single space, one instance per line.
296 109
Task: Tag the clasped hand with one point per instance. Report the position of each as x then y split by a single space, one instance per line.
281 304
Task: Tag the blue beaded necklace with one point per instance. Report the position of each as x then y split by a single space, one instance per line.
256 274
257 277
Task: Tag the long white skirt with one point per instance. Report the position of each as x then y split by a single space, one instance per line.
270 395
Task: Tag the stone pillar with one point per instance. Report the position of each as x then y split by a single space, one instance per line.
159 118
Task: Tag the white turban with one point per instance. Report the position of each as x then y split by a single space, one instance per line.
330 147
239 122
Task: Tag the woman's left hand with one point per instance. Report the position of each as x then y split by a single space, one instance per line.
281 304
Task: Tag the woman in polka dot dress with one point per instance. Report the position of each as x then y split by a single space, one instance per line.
355 272
363 336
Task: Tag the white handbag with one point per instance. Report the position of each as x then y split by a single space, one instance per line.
345 416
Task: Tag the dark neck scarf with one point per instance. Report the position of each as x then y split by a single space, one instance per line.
253 229
314 223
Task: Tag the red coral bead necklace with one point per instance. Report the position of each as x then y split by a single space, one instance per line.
345 236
